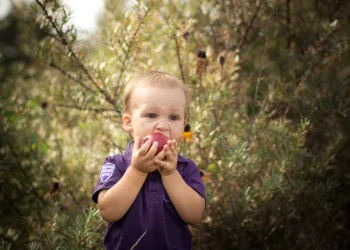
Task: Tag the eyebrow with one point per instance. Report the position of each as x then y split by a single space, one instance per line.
177 111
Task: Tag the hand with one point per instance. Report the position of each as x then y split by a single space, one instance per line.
143 158
167 166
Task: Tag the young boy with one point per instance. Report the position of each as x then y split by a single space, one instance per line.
150 199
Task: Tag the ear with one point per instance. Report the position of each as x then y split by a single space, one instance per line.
127 122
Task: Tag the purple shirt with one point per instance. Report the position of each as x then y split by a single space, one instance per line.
152 209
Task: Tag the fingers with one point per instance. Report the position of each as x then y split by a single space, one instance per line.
160 156
152 151
172 147
160 163
144 148
170 150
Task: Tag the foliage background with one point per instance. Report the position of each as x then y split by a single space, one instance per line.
269 81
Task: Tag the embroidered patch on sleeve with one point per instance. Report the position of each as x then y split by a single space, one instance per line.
106 172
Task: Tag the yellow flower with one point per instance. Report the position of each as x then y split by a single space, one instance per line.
187 134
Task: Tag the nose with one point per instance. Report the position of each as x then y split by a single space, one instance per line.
162 125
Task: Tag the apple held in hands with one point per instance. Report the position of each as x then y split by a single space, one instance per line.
160 138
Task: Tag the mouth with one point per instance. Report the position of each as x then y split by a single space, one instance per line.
161 134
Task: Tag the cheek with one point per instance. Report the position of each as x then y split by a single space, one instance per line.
178 133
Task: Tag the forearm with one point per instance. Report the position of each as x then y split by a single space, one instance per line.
116 201
187 202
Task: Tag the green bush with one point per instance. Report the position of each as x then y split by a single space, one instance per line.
269 118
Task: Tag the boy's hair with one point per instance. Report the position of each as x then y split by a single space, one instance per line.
155 79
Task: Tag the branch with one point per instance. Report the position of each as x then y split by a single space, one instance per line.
127 53
243 39
78 81
177 47
111 118
249 27
337 7
257 89
319 201
288 20
13 205
49 34
306 213
319 47
120 42
4 237
96 110
260 70
179 57
52 174
117 146
29 179
70 50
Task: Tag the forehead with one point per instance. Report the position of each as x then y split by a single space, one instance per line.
173 97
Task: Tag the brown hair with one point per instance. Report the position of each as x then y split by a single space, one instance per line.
155 79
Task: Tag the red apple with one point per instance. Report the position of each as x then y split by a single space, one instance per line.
160 138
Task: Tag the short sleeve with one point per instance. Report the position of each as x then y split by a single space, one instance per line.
192 177
110 174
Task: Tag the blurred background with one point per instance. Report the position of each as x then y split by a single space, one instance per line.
269 115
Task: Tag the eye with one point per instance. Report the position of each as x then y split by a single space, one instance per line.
151 115
174 118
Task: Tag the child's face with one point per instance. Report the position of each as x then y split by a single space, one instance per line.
156 110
